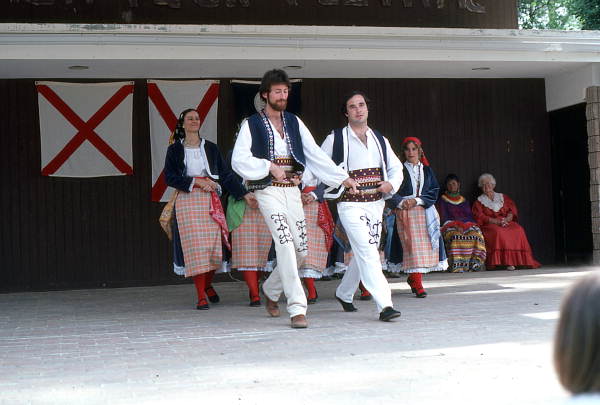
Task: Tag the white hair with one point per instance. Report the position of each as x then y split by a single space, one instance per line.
486 176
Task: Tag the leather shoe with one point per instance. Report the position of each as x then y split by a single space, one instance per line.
421 294
388 314
202 305
271 306
348 307
311 301
212 295
255 303
299 322
366 297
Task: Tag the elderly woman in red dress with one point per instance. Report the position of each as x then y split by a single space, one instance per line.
505 240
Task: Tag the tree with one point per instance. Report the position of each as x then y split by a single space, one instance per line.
550 14
588 12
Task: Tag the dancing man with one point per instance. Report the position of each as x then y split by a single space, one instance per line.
370 160
272 147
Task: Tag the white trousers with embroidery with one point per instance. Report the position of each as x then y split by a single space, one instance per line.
284 215
363 224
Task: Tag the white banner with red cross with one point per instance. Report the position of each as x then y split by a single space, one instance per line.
166 100
85 128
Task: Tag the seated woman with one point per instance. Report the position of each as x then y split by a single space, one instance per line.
463 239
505 240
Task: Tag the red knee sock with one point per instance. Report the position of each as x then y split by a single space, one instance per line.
200 283
209 277
251 279
310 286
363 291
417 282
210 291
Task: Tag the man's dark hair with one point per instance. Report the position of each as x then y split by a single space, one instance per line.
351 94
274 76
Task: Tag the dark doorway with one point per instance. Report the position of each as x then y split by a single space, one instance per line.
571 183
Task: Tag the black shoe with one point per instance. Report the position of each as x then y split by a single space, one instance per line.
212 295
366 297
421 294
348 307
255 303
388 314
311 301
203 305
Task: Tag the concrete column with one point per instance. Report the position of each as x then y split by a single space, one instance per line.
593 129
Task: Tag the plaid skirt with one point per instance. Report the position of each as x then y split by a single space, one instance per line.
416 245
200 234
316 259
251 241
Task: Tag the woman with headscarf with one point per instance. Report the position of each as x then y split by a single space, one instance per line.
416 244
463 239
194 167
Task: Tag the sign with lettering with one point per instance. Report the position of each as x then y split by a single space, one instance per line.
408 13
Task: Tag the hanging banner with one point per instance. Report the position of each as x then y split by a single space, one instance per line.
85 128
166 100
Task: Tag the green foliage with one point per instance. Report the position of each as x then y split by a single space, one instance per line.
588 12
550 14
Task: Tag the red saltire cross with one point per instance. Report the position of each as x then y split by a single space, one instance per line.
86 129
170 119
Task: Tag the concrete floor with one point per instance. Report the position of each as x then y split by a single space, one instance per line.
479 338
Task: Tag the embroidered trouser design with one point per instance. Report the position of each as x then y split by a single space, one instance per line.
365 264
301 225
282 228
374 229
281 206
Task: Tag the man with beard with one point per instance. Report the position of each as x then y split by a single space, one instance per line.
272 148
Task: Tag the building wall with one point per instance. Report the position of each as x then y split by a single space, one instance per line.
380 13
67 232
568 89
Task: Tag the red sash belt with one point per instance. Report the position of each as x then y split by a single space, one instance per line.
218 215
368 181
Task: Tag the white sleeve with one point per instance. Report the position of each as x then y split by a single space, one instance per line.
327 145
242 160
395 169
309 179
317 160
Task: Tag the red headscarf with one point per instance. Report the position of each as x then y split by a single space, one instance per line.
418 142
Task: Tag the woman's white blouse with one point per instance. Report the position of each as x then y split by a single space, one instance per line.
194 164
417 175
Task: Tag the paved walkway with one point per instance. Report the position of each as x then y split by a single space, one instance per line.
480 338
